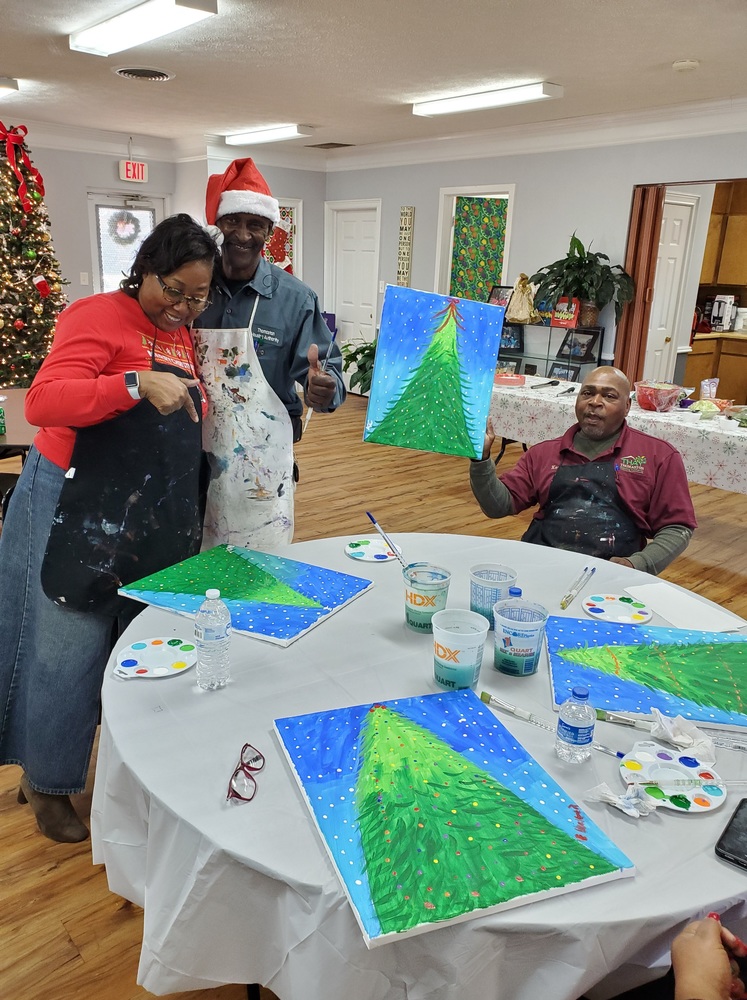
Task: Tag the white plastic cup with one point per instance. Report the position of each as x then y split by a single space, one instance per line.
458 644
519 631
489 583
426 591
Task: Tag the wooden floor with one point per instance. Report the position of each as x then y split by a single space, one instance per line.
63 935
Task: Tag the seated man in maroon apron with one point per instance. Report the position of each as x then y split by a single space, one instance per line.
603 488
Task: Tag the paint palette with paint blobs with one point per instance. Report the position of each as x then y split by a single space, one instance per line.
679 780
370 550
617 608
149 659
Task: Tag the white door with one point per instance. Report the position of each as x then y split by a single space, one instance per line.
352 269
674 244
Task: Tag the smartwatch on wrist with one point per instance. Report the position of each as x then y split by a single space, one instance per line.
132 381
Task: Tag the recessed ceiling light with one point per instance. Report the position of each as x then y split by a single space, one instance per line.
140 24
685 65
488 99
276 133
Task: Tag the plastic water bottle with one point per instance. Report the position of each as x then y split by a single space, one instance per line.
575 727
213 641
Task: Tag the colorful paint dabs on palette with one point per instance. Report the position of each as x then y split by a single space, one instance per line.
148 659
679 781
432 812
701 676
370 550
269 597
617 608
433 375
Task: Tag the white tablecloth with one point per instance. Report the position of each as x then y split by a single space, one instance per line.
247 893
714 451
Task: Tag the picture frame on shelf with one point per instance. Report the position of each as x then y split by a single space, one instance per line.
507 367
529 369
512 339
499 295
570 373
580 346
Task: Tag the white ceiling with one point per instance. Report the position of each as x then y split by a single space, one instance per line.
351 68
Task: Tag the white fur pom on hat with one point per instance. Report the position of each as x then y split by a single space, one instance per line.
242 188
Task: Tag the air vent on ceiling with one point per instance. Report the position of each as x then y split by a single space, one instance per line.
330 145
143 73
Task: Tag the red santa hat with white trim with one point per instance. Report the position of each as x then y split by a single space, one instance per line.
242 188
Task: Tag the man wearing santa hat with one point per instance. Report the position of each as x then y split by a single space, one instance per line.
290 336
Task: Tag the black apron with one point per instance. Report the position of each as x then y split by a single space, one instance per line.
131 508
585 513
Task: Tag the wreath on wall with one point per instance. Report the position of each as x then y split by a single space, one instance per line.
124 228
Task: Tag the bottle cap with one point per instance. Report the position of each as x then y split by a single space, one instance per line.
212 594
581 693
514 592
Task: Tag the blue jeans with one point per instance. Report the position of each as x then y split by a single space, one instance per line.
52 660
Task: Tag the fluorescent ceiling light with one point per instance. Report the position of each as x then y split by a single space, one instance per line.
143 23
7 85
274 134
489 99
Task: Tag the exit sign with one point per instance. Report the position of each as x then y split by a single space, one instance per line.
131 170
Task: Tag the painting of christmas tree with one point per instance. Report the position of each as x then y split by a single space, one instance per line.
31 294
269 597
433 373
433 813
701 676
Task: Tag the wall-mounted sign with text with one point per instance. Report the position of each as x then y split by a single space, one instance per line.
132 170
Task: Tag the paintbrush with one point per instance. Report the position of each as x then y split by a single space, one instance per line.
386 538
623 720
520 713
324 368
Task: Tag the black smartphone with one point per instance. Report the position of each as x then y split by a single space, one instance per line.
732 844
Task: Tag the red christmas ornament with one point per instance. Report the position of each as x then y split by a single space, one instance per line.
19 324
41 284
15 231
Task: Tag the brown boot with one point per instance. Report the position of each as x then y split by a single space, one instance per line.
54 814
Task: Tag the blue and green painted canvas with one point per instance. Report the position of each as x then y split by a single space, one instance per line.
269 597
433 373
432 813
701 676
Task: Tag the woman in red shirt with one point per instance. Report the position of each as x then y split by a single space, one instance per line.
109 494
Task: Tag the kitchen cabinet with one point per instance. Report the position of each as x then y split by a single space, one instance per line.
725 255
722 355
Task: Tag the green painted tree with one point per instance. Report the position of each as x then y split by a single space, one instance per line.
30 284
433 399
442 837
710 674
237 578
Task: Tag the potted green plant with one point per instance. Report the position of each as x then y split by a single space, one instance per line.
359 357
586 276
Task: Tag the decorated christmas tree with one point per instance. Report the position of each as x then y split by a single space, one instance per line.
31 294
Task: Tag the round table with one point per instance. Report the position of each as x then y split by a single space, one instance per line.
247 893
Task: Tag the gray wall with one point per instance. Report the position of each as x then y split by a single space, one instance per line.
68 177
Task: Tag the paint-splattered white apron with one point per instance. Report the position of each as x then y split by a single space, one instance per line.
248 438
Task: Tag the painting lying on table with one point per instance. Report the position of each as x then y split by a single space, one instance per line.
433 373
701 676
269 597
433 813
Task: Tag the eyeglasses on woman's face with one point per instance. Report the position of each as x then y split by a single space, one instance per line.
175 297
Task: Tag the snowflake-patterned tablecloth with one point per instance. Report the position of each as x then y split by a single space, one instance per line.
714 451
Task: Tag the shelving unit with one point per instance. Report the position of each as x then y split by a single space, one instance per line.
551 349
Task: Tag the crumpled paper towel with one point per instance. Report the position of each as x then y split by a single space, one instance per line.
633 802
683 734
